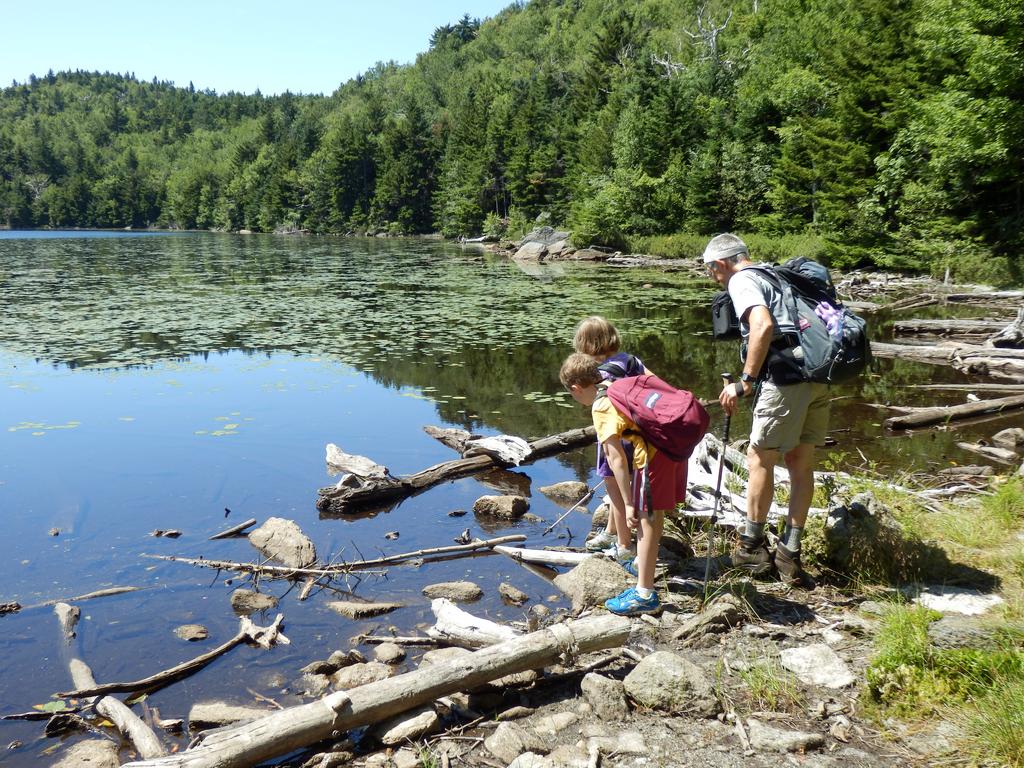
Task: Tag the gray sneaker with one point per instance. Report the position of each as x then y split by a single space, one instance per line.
752 556
787 563
619 554
600 541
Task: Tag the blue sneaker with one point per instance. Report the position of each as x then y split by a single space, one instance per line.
629 603
630 567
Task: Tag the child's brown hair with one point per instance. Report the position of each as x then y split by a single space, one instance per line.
580 369
596 336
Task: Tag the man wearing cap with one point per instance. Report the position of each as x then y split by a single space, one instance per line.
790 419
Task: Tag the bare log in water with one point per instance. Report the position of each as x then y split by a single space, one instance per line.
452 437
128 723
287 572
969 329
233 530
296 727
1012 336
927 417
248 632
1007 364
385 490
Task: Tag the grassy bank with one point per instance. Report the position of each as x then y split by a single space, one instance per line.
978 688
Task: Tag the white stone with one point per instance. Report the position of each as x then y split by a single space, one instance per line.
969 602
817 665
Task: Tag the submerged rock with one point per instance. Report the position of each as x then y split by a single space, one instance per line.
95 753
459 591
362 610
567 493
217 713
191 632
511 594
510 507
245 602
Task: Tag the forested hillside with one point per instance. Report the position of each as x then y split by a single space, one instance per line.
889 131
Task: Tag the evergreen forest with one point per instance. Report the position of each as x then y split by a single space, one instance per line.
867 132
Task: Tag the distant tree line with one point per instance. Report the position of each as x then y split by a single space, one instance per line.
891 130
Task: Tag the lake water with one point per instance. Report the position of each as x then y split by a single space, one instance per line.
191 381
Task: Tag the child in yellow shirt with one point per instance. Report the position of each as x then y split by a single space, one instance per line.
580 375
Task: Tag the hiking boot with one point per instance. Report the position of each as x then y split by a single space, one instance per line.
787 563
619 553
600 541
630 567
629 603
752 556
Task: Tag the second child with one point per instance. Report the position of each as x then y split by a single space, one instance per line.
580 375
597 337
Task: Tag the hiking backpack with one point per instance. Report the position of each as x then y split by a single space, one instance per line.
829 343
670 419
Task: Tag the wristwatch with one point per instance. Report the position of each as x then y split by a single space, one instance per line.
748 378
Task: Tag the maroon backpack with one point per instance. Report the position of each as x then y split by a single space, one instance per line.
670 419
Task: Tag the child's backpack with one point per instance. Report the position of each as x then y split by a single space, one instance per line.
620 366
829 344
670 419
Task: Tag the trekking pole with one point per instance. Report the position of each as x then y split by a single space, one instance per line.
586 497
727 379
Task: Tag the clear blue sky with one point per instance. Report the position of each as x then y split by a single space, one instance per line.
305 46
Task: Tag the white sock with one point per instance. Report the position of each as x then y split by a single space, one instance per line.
644 592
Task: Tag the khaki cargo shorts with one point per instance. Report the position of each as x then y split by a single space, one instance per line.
787 416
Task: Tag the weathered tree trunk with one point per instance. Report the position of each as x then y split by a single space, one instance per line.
450 436
544 556
968 329
128 723
388 490
1007 364
1012 336
926 417
296 727
455 626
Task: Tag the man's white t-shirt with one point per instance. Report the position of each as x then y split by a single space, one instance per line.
748 289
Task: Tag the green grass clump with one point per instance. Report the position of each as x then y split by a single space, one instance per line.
909 677
771 687
995 725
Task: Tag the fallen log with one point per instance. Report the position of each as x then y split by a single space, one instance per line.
87 596
991 452
1012 336
248 632
968 387
288 572
127 722
544 556
234 530
927 417
998 363
960 328
452 437
296 727
454 626
68 616
387 490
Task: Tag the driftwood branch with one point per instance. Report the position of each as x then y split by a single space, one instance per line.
296 727
1012 336
998 363
234 530
455 626
68 616
452 437
928 417
87 596
247 633
387 490
128 723
544 556
284 571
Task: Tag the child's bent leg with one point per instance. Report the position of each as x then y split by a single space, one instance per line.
617 511
648 539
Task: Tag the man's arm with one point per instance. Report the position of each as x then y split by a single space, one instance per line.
759 318
618 462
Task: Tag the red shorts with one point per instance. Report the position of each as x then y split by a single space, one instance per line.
667 483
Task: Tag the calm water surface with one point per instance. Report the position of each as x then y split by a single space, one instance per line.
190 381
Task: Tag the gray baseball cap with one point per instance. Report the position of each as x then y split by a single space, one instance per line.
724 246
